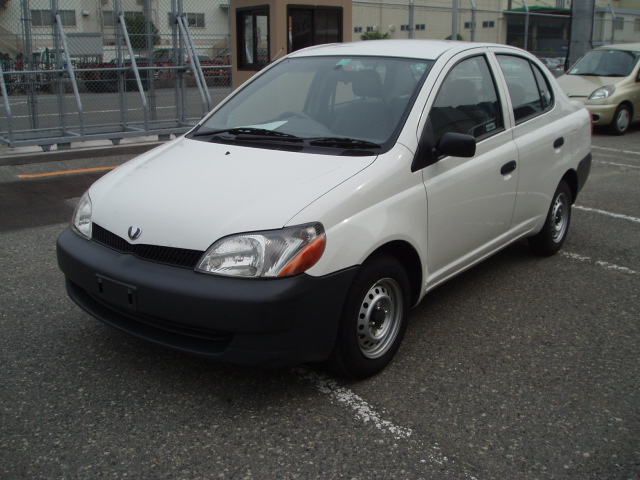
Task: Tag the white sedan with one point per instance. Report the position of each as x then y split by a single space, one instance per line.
303 218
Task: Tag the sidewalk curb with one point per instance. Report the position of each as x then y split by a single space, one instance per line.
74 154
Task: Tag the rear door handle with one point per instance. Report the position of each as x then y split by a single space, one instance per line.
558 143
508 167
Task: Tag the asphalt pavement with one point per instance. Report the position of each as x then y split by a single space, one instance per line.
520 368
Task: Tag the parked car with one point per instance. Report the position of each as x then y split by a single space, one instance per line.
215 70
555 65
303 218
103 77
607 81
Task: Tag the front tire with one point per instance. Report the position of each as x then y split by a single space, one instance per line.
621 120
374 318
554 232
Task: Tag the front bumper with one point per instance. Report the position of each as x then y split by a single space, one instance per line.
602 114
266 322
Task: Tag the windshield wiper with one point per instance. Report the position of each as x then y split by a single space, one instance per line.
342 142
247 133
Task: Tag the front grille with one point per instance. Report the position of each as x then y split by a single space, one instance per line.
177 257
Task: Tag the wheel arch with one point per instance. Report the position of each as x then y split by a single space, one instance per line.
410 261
627 103
571 179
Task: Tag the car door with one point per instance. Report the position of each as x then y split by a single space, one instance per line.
470 200
541 133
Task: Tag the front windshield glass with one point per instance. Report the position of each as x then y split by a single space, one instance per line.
323 102
606 63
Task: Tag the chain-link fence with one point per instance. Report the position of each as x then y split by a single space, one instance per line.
135 67
543 28
75 70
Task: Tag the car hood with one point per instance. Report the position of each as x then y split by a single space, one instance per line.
189 193
583 86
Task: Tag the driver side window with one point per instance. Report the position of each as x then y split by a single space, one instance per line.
467 101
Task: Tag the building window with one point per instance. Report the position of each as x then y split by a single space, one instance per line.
195 20
357 29
637 25
371 29
313 25
405 28
253 37
618 23
490 24
107 19
420 26
43 18
469 24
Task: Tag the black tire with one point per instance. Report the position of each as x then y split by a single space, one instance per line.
556 226
621 120
374 318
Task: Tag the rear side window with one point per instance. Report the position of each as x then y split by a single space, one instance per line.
529 89
467 101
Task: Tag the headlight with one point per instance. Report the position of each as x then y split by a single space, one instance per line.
602 92
82 216
277 253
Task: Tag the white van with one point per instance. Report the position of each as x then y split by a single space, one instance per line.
303 218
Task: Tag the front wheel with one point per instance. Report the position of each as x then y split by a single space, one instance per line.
621 120
556 226
374 318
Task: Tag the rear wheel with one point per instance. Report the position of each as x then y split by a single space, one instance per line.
556 226
374 318
621 120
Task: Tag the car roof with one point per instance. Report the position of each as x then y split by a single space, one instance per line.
427 49
629 47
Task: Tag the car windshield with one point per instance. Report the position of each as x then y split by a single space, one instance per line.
606 63
347 103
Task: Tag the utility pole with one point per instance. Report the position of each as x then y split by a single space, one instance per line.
582 15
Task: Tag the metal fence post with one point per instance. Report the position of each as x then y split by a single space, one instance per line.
454 20
31 94
526 25
473 20
136 72
71 73
7 106
150 75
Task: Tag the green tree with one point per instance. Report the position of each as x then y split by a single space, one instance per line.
136 27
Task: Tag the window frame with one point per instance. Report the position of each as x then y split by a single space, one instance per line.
500 107
254 12
532 68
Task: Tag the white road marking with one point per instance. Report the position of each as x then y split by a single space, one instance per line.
616 150
366 413
362 409
608 214
619 164
599 263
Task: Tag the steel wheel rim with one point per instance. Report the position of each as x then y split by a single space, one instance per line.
559 218
622 121
379 318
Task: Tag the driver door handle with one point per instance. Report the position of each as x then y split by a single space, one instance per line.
508 167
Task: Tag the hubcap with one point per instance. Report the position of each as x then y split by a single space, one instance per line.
559 218
379 318
623 120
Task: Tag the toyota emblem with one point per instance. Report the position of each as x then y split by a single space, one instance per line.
134 232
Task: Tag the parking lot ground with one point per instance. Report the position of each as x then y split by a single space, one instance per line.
521 367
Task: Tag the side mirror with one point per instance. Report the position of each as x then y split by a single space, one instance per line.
457 145
450 144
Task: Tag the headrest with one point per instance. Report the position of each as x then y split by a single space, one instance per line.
367 83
